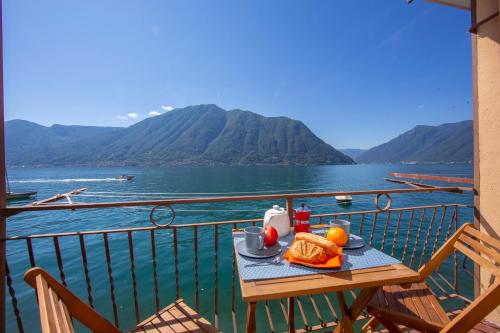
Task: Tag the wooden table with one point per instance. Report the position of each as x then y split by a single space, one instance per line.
369 280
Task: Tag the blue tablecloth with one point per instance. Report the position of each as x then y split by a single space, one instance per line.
261 269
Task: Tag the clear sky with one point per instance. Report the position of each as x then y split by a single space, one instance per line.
356 72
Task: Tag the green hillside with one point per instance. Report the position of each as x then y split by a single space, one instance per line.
28 143
445 143
202 134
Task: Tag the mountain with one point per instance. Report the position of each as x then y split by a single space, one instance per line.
31 143
445 143
202 134
353 153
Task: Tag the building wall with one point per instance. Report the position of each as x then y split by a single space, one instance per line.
486 67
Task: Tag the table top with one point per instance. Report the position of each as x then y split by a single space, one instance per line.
253 269
267 289
253 291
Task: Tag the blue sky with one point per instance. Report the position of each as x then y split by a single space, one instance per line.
356 72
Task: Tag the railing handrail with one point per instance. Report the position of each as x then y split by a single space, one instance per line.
233 222
12 210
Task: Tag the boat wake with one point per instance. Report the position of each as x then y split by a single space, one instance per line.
67 180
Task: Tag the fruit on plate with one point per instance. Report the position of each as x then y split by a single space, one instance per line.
338 236
270 235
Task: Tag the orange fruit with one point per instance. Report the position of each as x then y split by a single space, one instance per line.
338 236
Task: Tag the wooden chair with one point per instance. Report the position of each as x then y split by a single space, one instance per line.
417 307
58 305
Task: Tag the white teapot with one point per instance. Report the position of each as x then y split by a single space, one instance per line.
277 217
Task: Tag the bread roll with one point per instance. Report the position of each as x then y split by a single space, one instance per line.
308 252
330 247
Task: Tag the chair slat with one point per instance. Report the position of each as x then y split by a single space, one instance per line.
429 302
186 321
491 253
148 328
156 325
56 311
76 307
195 316
67 323
477 258
484 237
177 317
58 305
151 328
46 313
175 324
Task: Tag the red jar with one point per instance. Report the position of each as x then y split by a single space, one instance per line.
302 226
302 217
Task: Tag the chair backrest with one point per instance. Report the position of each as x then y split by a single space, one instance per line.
58 305
484 251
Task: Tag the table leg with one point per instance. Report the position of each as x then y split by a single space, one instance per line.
345 324
251 328
291 315
350 315
361 302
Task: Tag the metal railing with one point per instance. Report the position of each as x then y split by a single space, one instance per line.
127 274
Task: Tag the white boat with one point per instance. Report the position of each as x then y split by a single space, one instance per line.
343 199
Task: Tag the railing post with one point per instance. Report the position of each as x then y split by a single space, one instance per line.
289 208
455 258
3 220
216 276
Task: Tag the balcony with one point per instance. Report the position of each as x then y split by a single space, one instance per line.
128 273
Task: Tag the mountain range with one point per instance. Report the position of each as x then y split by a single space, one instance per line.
353 153
446 143
209 135
201 134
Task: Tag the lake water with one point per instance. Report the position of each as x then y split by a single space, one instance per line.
156 183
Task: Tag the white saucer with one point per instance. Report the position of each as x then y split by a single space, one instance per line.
266 252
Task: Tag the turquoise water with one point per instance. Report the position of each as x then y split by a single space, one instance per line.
181 182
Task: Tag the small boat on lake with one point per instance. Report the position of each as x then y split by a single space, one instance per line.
343 200
124 177
17 196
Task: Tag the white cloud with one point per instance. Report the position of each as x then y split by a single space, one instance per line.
167 108
131 115
154 113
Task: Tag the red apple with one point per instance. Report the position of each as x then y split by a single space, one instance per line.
270 236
